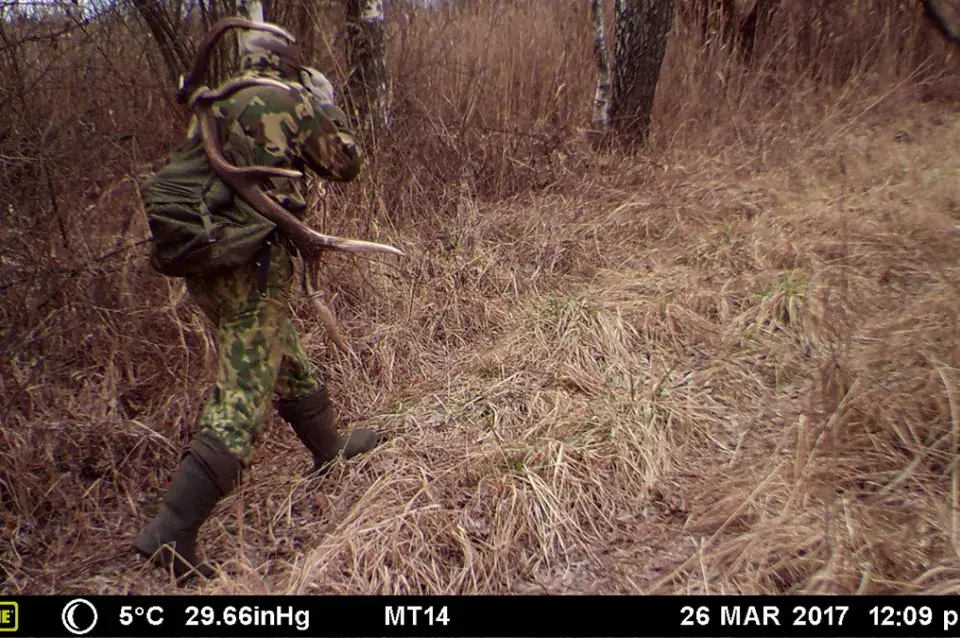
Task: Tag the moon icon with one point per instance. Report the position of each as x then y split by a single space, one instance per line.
70 623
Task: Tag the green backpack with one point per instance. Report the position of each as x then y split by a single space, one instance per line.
198 226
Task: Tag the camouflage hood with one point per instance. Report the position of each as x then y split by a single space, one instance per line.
268 55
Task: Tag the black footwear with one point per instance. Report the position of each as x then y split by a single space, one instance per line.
313 421
208 472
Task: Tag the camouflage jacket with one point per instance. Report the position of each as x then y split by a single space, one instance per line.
198 226
267 126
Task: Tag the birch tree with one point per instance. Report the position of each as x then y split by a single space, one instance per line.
367 82
601 102
252 10
641 29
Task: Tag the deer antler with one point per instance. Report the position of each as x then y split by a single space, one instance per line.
244 181
197 76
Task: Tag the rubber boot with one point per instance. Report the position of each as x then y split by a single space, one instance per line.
208 471
313 421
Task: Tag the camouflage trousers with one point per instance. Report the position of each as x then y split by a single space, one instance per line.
258 349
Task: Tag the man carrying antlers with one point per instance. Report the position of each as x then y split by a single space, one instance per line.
264 127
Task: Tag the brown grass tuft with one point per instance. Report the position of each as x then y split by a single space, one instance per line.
727 362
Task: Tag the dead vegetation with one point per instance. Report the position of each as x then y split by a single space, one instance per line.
727 363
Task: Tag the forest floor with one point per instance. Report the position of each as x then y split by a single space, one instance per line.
728 371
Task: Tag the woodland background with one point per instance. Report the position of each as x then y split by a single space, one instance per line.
725 360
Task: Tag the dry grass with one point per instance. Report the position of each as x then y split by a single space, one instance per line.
728 364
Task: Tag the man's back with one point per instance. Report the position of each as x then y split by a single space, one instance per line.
277 128
199 225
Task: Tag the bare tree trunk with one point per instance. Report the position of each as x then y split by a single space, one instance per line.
367 83
641 31
175 55
756 22
728 22
714 21
601 102
944 17
703 20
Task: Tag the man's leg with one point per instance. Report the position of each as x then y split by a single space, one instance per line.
305 404
297 378
249 350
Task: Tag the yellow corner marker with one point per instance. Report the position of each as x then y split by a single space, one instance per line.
9 616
